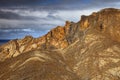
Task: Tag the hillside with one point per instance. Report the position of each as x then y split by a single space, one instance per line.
86 50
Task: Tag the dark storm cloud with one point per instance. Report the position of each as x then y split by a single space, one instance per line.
26 14
11 15
58 4
42 20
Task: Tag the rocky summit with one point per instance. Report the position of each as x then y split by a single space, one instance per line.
86 50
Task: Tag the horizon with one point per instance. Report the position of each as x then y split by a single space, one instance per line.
19 18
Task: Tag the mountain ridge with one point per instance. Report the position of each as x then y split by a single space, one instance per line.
86 50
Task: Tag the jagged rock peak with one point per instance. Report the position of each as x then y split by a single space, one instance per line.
106 21
106 11
109 10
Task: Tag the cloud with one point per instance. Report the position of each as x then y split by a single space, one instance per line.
21 14
38 19
9 15
58 4
19 33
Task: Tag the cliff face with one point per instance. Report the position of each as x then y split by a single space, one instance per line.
106 21
86 50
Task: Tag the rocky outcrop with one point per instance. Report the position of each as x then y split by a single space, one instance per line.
106 21
58 38
86 50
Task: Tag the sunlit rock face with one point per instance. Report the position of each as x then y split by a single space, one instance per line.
58 38
86 50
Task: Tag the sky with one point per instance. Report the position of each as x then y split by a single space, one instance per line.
36 17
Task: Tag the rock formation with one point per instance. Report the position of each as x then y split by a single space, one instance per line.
86 50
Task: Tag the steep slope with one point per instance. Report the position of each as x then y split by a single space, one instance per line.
96 56
86 50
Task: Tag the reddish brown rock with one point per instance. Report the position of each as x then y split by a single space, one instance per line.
56 39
